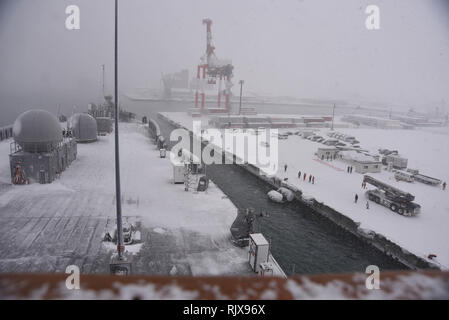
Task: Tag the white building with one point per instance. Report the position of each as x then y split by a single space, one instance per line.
326 153
362 162
382 123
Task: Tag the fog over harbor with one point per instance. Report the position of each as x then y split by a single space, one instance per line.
303 49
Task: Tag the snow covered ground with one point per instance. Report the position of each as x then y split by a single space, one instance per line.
47 227
426 150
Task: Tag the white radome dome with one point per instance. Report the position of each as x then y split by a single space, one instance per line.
37 131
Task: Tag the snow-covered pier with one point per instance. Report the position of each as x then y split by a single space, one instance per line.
420 241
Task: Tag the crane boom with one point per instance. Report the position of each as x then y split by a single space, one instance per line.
389 189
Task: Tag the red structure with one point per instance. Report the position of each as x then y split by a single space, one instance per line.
212 69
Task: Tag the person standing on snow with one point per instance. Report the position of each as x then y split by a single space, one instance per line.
367 205
299 174
305 176
310 178
444 185
356 198
285 167
313 180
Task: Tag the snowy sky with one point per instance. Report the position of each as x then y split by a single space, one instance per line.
310 49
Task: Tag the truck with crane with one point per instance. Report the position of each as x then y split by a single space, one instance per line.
393 198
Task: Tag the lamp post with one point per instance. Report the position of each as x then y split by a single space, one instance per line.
333 115
120 247
102 67
120 265
241 82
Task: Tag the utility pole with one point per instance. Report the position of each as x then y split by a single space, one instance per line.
102 67
119 266
120 246
333 115
241 82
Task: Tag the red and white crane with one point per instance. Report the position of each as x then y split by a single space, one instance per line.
212 69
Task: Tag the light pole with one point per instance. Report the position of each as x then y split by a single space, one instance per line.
119 266
241 82
102 67
120 247
333 115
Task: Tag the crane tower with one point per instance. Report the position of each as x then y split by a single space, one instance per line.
212 69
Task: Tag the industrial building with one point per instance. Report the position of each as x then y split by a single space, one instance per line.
178 81
327 153
381 123
362 162
395 161
83 127
39 151
107 110
419 121
267 121
104 110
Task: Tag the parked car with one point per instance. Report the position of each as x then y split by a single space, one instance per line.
349 139
330 142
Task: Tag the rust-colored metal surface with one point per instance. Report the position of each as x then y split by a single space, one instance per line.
393 285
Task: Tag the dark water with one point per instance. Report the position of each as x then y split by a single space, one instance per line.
301 239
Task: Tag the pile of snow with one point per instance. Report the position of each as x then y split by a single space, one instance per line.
159 230
286 193
275 196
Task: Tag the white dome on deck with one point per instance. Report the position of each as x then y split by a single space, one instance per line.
84 127
37 131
